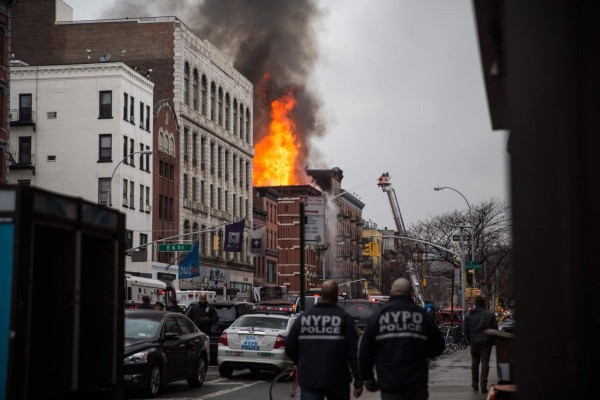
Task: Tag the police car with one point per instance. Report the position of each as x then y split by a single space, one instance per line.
255 341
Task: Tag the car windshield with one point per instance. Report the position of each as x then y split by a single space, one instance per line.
225 312
139 328
261 322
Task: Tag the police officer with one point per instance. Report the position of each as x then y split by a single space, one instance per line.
203 314
399 339
323 343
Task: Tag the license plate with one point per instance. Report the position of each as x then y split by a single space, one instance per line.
250 343
233 353
266 355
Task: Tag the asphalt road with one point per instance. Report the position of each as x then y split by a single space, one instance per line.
241 386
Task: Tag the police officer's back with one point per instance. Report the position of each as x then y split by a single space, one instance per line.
323 343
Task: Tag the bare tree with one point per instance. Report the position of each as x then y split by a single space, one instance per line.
490 230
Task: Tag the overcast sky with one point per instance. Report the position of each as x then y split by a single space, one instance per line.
404 94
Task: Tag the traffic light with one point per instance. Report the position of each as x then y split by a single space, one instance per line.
369 249
366 285
424 282
376 252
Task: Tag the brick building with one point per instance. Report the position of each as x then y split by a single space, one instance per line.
265 203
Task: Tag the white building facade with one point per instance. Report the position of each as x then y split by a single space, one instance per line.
85 130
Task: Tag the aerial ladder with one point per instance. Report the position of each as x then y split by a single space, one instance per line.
385 183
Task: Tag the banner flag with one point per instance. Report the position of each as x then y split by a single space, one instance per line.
257 242
189 266
233 236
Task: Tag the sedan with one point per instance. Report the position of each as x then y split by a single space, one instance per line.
255 341
163 347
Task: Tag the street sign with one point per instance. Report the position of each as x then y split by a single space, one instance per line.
174 247
466 238
314 227
472 264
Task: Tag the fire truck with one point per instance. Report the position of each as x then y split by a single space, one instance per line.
385 183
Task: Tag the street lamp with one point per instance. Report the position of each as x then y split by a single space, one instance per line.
148 152
463 257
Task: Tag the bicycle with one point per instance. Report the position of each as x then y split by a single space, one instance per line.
285 385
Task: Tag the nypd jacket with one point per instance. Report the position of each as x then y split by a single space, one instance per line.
323 343
399 339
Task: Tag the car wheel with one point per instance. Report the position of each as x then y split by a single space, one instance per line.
225 372
198 378
154 379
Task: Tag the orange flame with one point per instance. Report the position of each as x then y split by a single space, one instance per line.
275 155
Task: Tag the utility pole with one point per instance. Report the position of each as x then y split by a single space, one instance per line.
463 264
302 272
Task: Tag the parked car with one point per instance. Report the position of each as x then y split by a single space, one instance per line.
163 347
228 312
255 341
360 311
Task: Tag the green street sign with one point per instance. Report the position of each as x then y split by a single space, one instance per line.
174 247
472 264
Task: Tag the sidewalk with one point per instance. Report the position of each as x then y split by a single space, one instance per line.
450 378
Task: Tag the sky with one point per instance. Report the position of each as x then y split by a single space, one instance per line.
403 93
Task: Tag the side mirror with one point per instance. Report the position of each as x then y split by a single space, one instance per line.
171 336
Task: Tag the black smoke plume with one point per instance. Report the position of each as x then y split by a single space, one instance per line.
274 37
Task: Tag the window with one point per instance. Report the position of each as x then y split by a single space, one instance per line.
233 203
105 104
105 154
213 94
212 158
128 240
148 118
202 151
186 84
125 152
132 111
235 169
226 165
271 272
125 186
247 174
218 198
235 124
212 197
141 157
204 93
147 199
104 191
132 195
202 192
25 113
186 142
185 186
141 198
132 149
143 239
160 168
219 171
141 115
161 205
247 126
125 98
195 90
227 107
194 189
241 121
25 150
220 111
172 168
147 159
195 149
226 201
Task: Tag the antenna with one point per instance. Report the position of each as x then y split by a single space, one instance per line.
105 57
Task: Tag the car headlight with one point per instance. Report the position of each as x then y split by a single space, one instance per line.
138 358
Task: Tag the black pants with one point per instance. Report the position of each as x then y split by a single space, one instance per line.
331 393
480 354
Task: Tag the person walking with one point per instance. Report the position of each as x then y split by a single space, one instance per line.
173 307
323 343
203 314
476 322
146 303
399 340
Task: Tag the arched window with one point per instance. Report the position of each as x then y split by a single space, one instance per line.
195 90
241 121
186 227
196 228
235 113
204 93
227 107
160 141
186 84
221 106
213 94
171 146
247 125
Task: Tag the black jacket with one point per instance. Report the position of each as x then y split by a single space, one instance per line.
146 306
204 316
399 339
475 324
323 343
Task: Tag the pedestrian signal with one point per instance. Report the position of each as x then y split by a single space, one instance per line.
369 249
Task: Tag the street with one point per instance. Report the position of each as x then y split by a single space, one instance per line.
242 385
